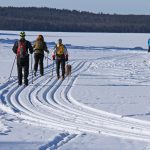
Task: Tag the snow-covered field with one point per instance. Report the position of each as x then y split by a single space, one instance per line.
104 105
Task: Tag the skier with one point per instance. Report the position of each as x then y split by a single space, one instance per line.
39 48
20 48
148 45
60 54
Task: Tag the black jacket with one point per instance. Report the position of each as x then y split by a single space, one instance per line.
29 47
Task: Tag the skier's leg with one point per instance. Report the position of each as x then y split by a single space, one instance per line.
41 65
26 71
36 60
19 69
63 68
57 68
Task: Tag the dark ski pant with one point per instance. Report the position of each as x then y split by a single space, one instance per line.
38 58
23 63
60 62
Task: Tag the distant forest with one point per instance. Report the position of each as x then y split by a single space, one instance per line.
51 19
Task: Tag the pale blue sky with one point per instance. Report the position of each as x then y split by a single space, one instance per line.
105 6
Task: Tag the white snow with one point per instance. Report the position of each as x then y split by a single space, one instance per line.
105 104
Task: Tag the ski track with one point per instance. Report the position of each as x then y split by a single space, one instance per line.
49 103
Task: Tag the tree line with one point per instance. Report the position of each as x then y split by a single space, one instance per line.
51 19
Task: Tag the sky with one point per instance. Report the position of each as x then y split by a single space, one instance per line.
96 6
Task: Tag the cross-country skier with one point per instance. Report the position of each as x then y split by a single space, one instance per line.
60 54
21 48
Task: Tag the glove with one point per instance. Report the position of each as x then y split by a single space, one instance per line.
53 57
66 58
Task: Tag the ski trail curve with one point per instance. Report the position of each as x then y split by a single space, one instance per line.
49 103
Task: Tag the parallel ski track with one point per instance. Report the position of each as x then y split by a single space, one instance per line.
49 103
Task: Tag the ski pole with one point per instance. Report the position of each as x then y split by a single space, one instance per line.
52 68
68 74
12 69
31 68
47 60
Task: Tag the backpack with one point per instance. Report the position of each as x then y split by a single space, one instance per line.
21 50
39 45
59 50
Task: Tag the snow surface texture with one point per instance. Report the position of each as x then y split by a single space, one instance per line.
103 105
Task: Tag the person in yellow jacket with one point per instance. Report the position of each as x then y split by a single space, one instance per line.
60 54
39 48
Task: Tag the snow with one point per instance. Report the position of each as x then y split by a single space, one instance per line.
105 104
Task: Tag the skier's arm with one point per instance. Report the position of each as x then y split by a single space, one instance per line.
54 52
34 45
66 53
65 50
14 49
45 48
30 47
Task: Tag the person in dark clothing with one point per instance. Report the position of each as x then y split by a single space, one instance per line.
21 48
39 48
60 54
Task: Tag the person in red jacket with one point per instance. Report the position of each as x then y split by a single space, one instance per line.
60 54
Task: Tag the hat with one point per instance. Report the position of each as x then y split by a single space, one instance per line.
60 40
22 34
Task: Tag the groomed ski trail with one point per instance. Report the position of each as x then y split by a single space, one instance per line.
49 103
